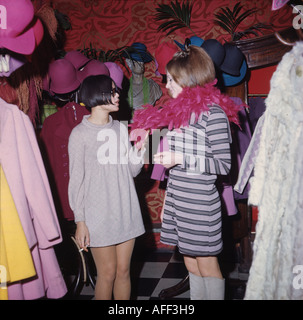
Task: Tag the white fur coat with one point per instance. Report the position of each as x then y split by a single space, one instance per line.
277 186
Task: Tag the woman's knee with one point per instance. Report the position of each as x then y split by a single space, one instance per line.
191 265
107 272
209 266
123 271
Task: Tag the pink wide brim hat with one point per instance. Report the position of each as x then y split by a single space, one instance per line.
77 58
63 77
93 68
20 31
116 73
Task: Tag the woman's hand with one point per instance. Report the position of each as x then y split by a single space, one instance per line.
82 235
143 140
168 159
140 138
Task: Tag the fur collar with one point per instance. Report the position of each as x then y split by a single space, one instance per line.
177 112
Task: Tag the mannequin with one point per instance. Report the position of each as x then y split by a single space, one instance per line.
142 90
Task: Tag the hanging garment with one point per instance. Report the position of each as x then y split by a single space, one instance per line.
24 170
241 141
54 135
14 250
276 187
256 110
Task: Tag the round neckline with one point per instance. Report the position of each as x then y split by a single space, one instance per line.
97 126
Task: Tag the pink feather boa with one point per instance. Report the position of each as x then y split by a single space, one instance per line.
177 112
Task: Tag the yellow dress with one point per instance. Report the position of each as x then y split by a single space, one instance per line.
16 261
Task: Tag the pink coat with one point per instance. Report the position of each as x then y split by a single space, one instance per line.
22 163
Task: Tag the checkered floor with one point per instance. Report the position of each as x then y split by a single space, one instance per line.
155 272
151 272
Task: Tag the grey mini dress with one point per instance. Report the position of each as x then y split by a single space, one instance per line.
101 189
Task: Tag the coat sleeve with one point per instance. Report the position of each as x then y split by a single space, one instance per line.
76 150
34 185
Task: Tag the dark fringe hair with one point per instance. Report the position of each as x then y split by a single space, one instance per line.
96 90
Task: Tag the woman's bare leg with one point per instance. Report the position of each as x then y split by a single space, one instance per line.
122 285
203 266
105 259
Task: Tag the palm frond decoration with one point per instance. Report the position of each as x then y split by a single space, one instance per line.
175 16
230 20
105 56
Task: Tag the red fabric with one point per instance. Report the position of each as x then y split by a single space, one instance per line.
54 135
255 213
109 25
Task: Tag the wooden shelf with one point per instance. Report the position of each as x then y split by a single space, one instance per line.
266 50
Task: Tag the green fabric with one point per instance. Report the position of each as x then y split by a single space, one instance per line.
145 92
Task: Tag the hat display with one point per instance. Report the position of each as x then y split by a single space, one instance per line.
228 58
215 50
115 72
194 40
21 27
230 80
233 60
138 52
63 77
77 59
163 54
92 68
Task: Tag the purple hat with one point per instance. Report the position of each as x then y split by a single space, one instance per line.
63 77
93 68
17 31
115 73
77 59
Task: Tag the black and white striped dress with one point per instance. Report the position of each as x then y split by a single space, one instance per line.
192 212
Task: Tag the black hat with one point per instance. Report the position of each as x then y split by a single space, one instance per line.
215 50
233 60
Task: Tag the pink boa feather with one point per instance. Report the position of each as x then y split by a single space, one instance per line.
177 112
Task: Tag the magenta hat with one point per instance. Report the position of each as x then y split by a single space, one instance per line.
77 58
115 73
17 26
93 68
63 77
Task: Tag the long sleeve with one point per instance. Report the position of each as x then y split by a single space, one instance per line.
135 156
218 161
23 165
76 171
136 159
206 145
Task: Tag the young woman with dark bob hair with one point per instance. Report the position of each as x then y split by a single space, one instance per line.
102 193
